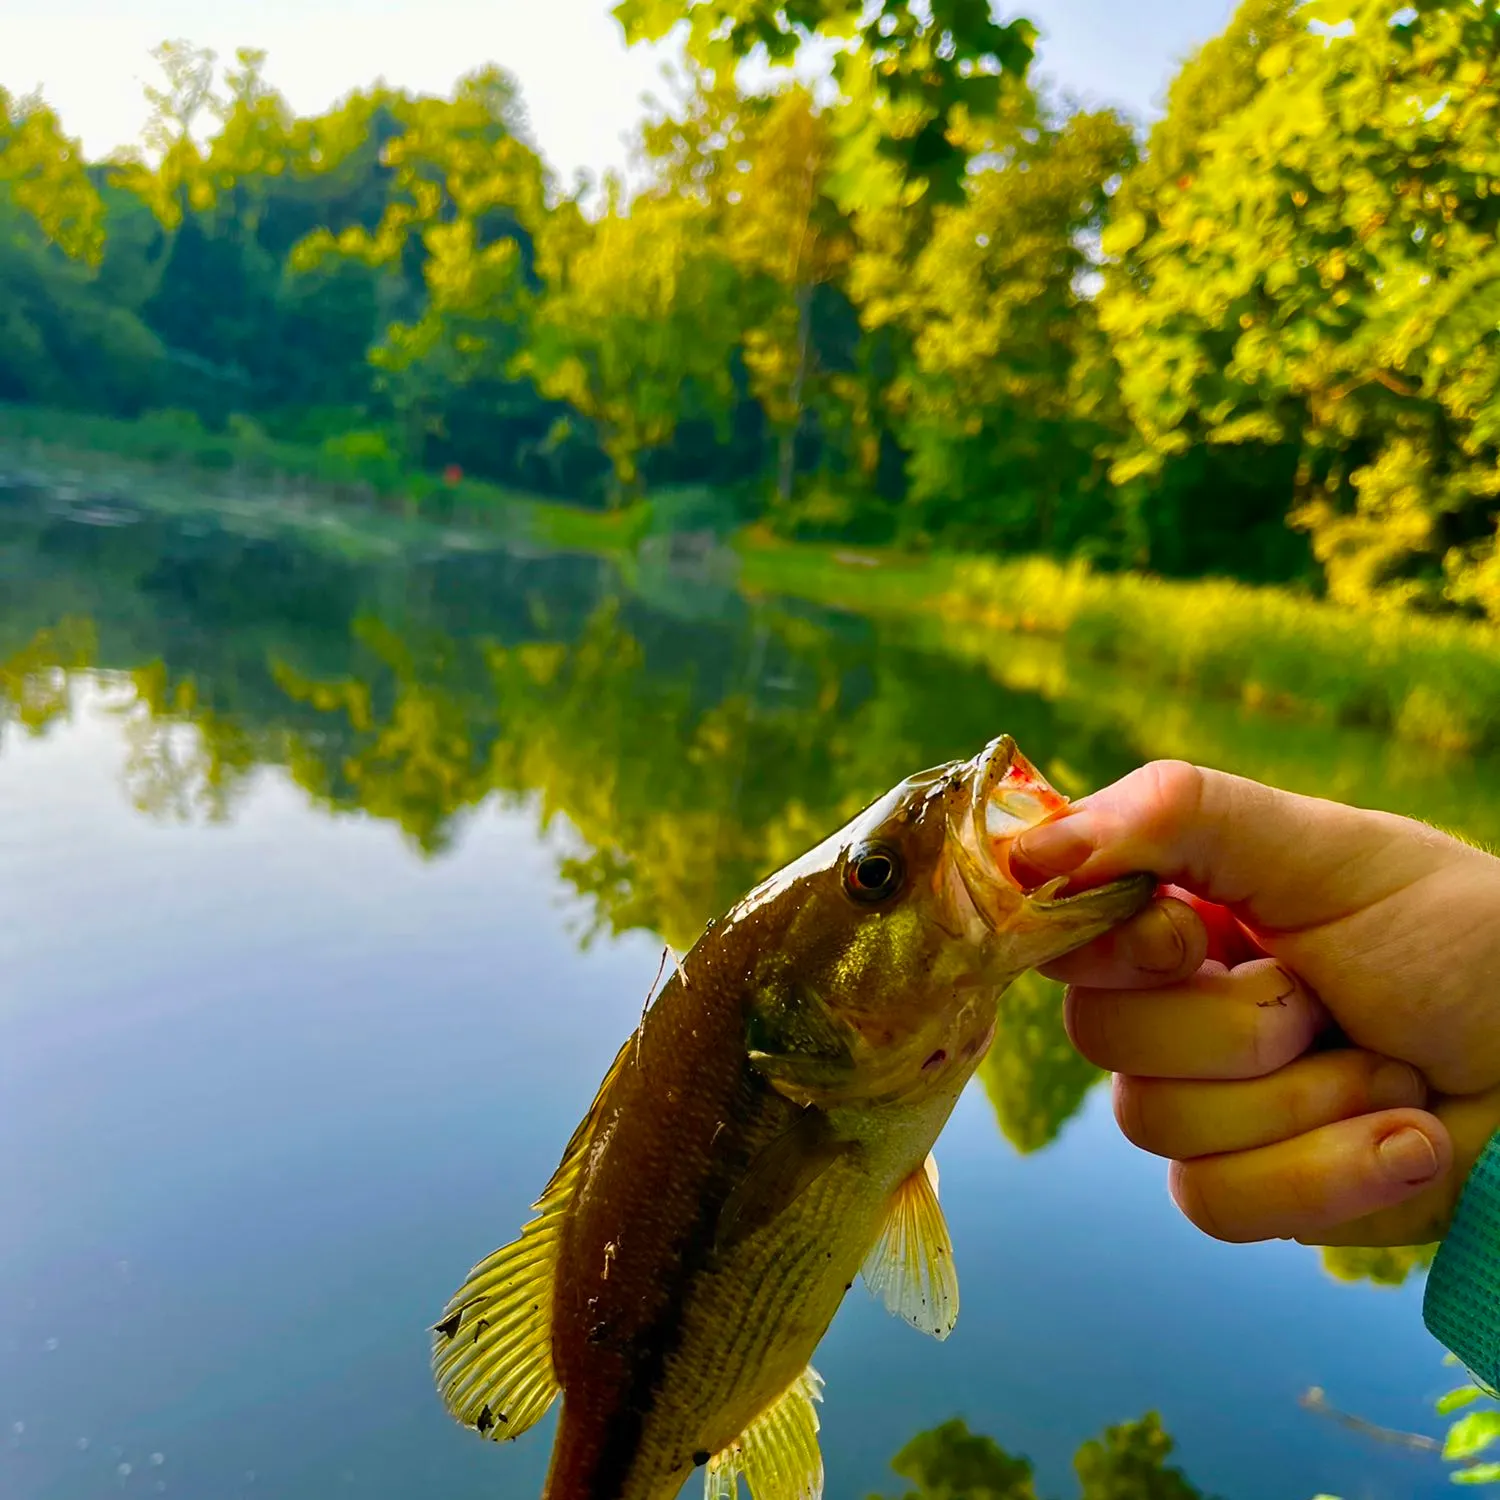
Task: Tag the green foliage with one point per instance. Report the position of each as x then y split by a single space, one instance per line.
926 305
1320 275
1470 1435
42 174
1390 1266
994 327
913 74
1436 682
1127 1462
1034 1077
952 1463
61 344
636 365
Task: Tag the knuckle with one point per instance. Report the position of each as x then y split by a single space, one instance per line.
1275 1020
1175 793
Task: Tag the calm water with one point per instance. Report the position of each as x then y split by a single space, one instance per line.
330 879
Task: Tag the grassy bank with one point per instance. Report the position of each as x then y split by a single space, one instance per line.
1423 681
167 459
1428 681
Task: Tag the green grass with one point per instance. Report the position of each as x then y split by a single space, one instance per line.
1428 681
167 457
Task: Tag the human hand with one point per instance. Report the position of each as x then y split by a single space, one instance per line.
1290 923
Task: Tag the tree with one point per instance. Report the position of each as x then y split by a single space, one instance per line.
637 325
176 181
34 681
1323 280
256 143
1034 1077
42 174
952 1463
992 307
911 73
466 199
1127 1462
784 227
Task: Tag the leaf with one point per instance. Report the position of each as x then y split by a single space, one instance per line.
1124 234
1472 1434
1274 61
1479 1474
1457 1399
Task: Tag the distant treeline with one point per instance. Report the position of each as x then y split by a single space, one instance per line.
939 309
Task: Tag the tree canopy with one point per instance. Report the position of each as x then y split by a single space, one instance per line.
918 301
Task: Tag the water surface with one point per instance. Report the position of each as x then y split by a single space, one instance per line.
331 878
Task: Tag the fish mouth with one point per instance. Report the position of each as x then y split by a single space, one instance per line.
1007 796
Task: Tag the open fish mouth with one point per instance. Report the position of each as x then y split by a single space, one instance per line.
1007 796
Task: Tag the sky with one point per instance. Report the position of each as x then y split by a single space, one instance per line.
582 88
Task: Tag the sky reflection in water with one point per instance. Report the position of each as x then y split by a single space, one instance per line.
287 1050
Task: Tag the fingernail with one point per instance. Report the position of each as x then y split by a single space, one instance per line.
1407 1155
1057 848
1394 1084
1154 941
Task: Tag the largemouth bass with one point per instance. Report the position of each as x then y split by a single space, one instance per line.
761 1139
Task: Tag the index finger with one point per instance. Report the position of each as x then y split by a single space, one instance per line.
1166 942
1278 860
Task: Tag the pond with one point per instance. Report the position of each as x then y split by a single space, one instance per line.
332 875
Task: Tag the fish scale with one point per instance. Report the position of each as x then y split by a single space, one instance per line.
763 1136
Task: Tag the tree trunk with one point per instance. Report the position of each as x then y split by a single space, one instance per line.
786 457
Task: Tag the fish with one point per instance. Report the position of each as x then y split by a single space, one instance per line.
761 1139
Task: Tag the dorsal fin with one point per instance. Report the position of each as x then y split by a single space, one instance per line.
911 1266
492 1348
777 1454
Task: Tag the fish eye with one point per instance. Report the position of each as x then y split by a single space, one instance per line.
873 873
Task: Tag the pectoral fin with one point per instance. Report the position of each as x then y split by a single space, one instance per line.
492 1348
777 1454
911 1266
780 1175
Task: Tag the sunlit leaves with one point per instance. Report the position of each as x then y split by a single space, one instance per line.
171 178
34 691
1315 261
465 195
989 300
1471 1434
1456 1400
42 172
911 71
637 325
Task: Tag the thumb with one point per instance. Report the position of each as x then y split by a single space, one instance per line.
1277 859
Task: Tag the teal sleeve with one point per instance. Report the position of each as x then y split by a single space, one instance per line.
1461 1306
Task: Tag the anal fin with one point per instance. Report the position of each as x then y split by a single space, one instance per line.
777 1454
910 1267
